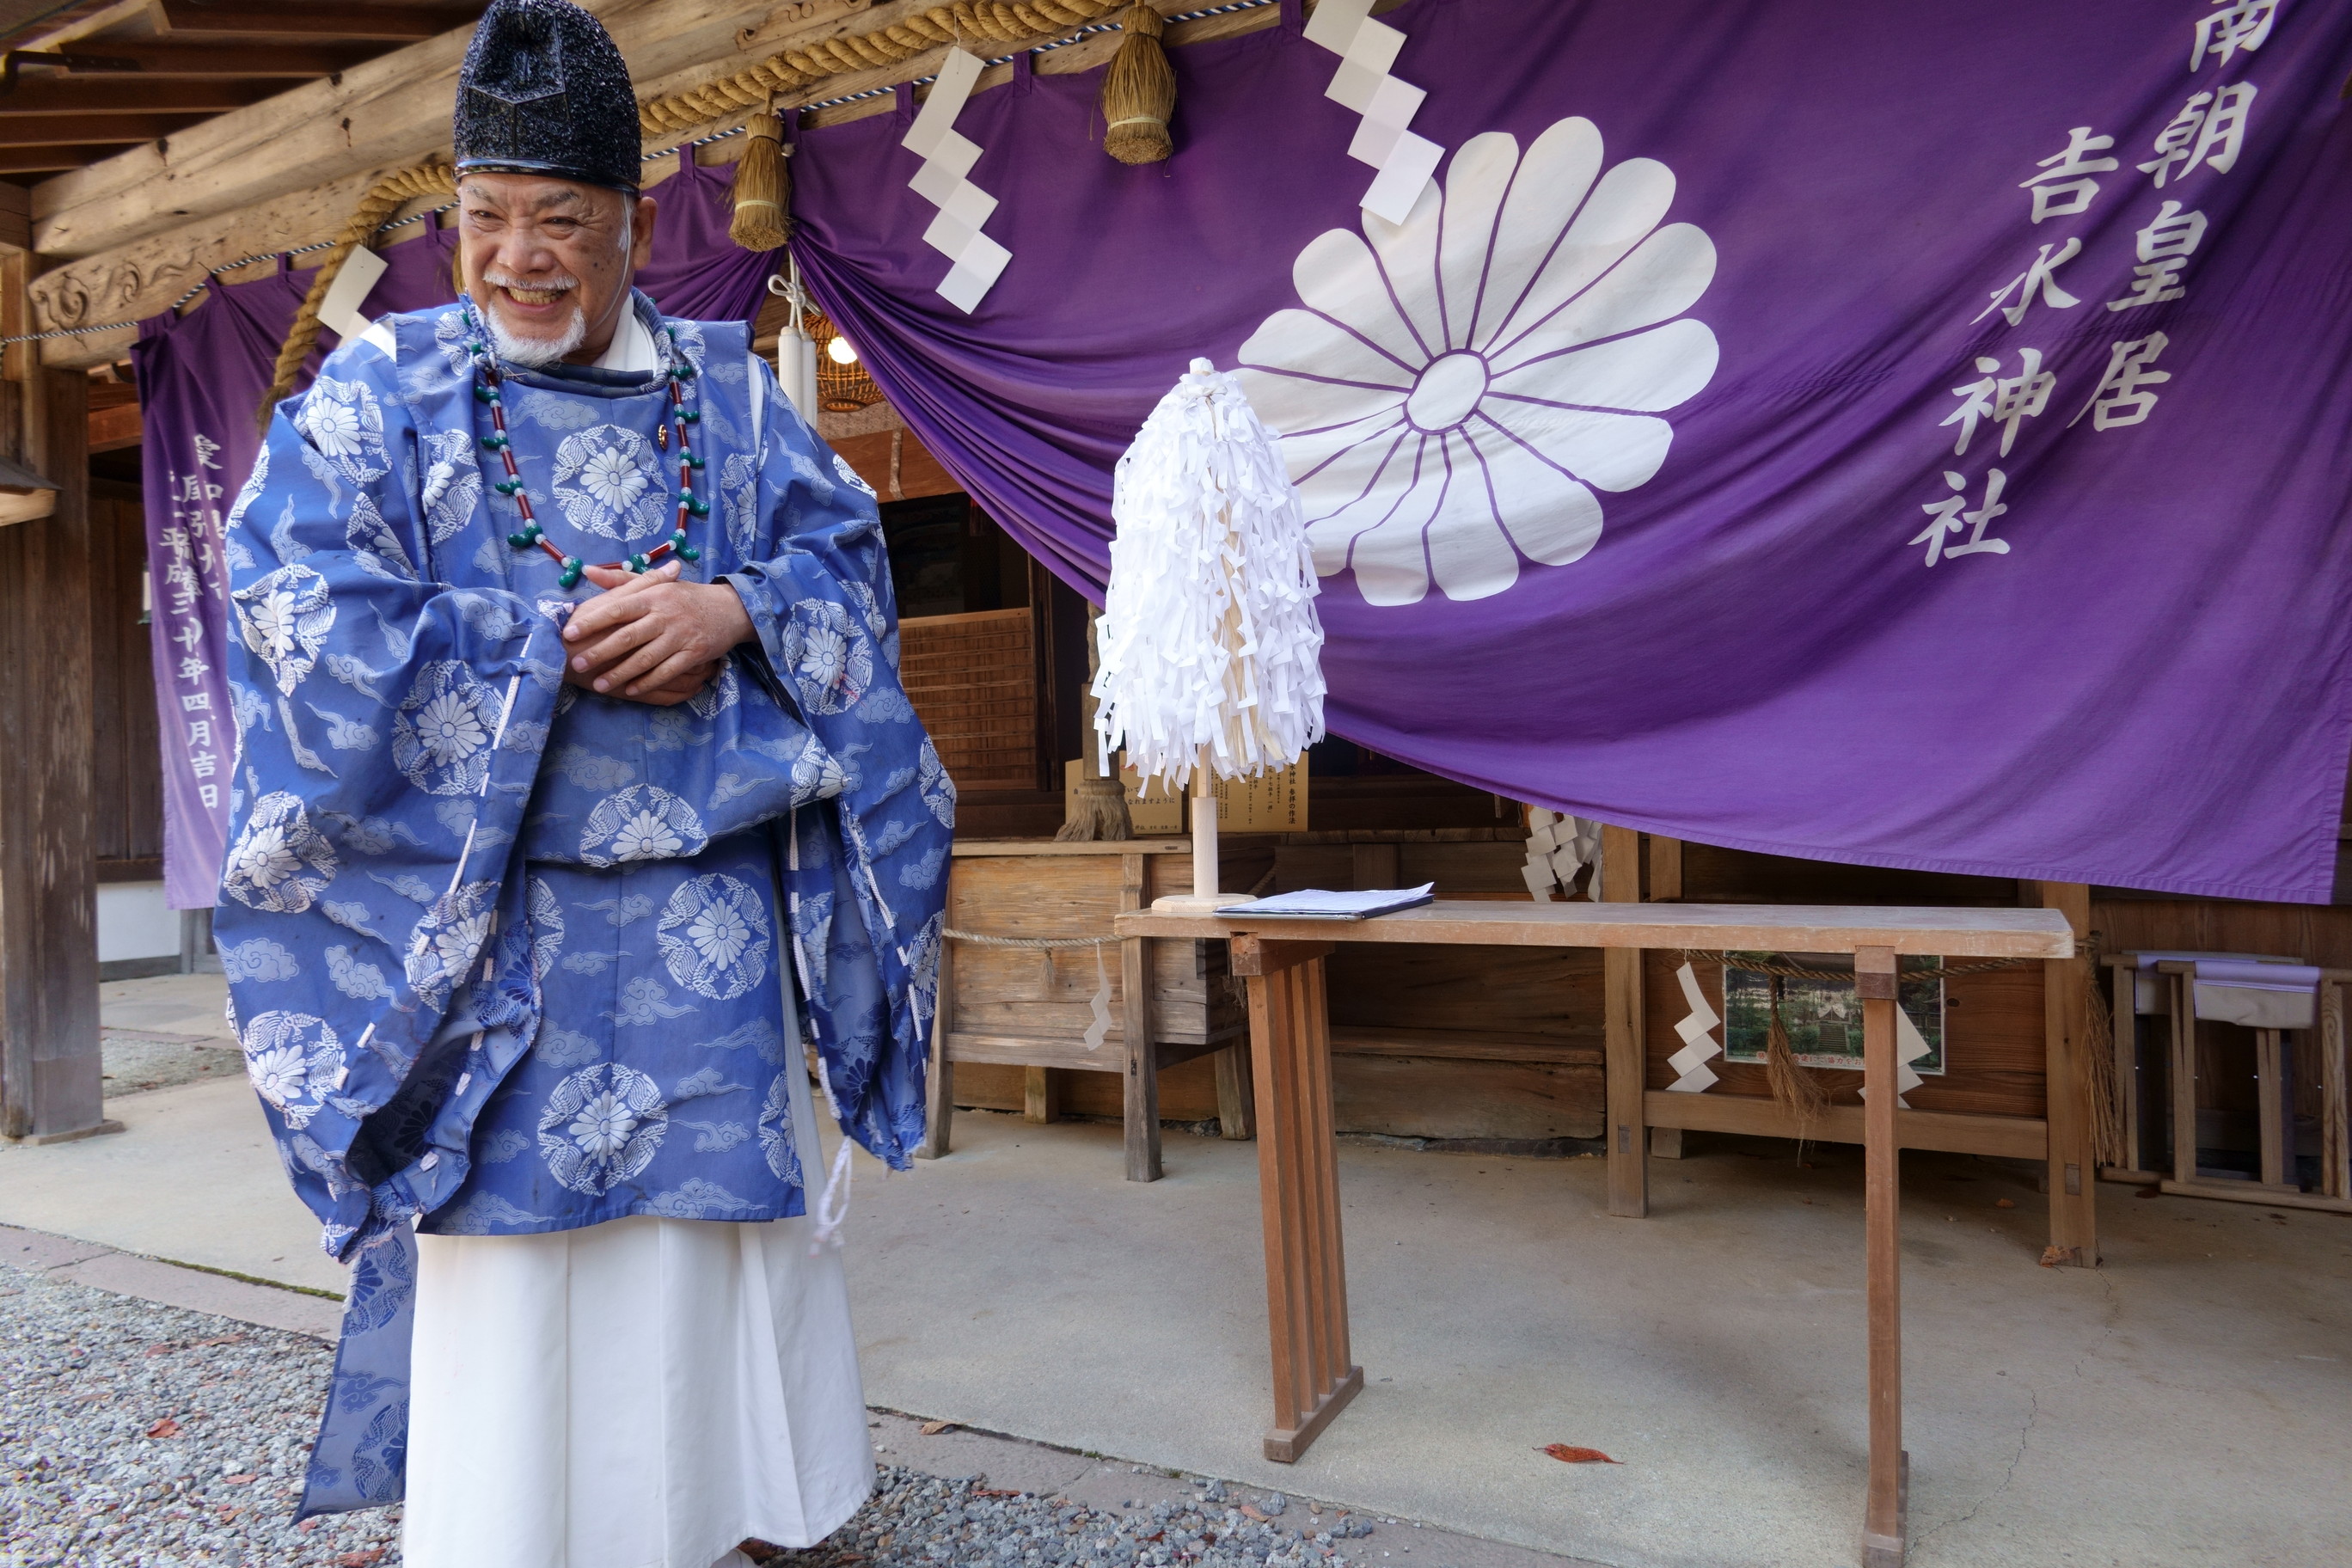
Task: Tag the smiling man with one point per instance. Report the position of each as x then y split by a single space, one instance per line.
576 791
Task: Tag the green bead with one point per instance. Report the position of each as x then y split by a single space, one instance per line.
638 564
568 579
473 348
507 486
685 371
484 392
697 505
689 552
520 539
493 442
693 462
689 417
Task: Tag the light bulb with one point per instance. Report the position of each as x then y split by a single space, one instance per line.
840 352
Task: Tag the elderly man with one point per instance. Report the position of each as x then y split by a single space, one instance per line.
576 791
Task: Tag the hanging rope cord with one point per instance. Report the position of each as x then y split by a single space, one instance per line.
730 95
791 70
2095 1060
384 198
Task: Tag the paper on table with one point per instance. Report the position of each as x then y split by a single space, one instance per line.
1314 903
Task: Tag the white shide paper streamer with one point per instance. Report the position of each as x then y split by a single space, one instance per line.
1910 1045
946 157
1209 639
1699 1046
1558 848
339 312
1366 49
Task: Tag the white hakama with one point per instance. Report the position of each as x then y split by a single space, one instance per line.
641 1394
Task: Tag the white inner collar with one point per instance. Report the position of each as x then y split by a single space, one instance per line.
632 347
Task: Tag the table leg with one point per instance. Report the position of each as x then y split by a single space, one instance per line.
1883 1515
1298 1188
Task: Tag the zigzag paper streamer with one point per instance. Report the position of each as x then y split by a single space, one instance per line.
1910 1045
963 206
1699 1046
1366 49
1099 1003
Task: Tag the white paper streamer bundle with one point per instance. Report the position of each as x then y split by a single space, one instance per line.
1208 636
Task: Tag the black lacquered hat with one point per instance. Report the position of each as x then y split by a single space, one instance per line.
544 91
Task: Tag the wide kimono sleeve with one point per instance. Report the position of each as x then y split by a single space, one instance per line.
388 732
867 869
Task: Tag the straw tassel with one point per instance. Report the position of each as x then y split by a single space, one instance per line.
762 220
1798 1091
1139 93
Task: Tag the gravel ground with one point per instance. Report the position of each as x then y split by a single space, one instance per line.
920 1520
133 1434
137 1435
139 1061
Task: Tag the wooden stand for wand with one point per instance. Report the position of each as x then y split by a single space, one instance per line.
1204 895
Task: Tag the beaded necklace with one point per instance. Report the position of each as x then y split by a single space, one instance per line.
681 371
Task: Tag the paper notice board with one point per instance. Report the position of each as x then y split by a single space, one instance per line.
1270 802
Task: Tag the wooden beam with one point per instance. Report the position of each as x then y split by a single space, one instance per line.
152 57
90 130
66 96
383 113
16 222
2074 1184
113 429
1755 1116
1628 1063
45 160
386 23
49 1064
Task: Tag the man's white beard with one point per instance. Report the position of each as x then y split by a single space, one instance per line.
533 353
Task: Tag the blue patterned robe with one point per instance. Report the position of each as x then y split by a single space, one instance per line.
505 956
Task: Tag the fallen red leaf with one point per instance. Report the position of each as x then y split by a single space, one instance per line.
359 1559
1569 1454
1254 1514
239 1481
166 1428
933 1428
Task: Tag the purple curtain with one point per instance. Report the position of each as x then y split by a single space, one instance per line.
201 378
1780 429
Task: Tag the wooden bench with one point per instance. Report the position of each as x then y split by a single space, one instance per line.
1314 1375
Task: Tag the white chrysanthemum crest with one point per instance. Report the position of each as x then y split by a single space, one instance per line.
1208 638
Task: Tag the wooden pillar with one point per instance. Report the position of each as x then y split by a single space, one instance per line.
2073 1167
51 1073
1315 1374
1883 1515
1236 1113
1629 1177
1041 1095
1142 1109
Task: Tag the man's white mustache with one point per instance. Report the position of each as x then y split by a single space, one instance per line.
558 284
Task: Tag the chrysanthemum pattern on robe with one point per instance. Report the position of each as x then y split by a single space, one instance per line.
641 823
1459 387
452 482
832 656
714 937
293 1060
449 938
345 426
546 927
776 1131
602 1125
441 736
280 862
285 618
938 789
609 481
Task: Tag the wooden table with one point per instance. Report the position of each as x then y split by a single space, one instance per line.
1305 1277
